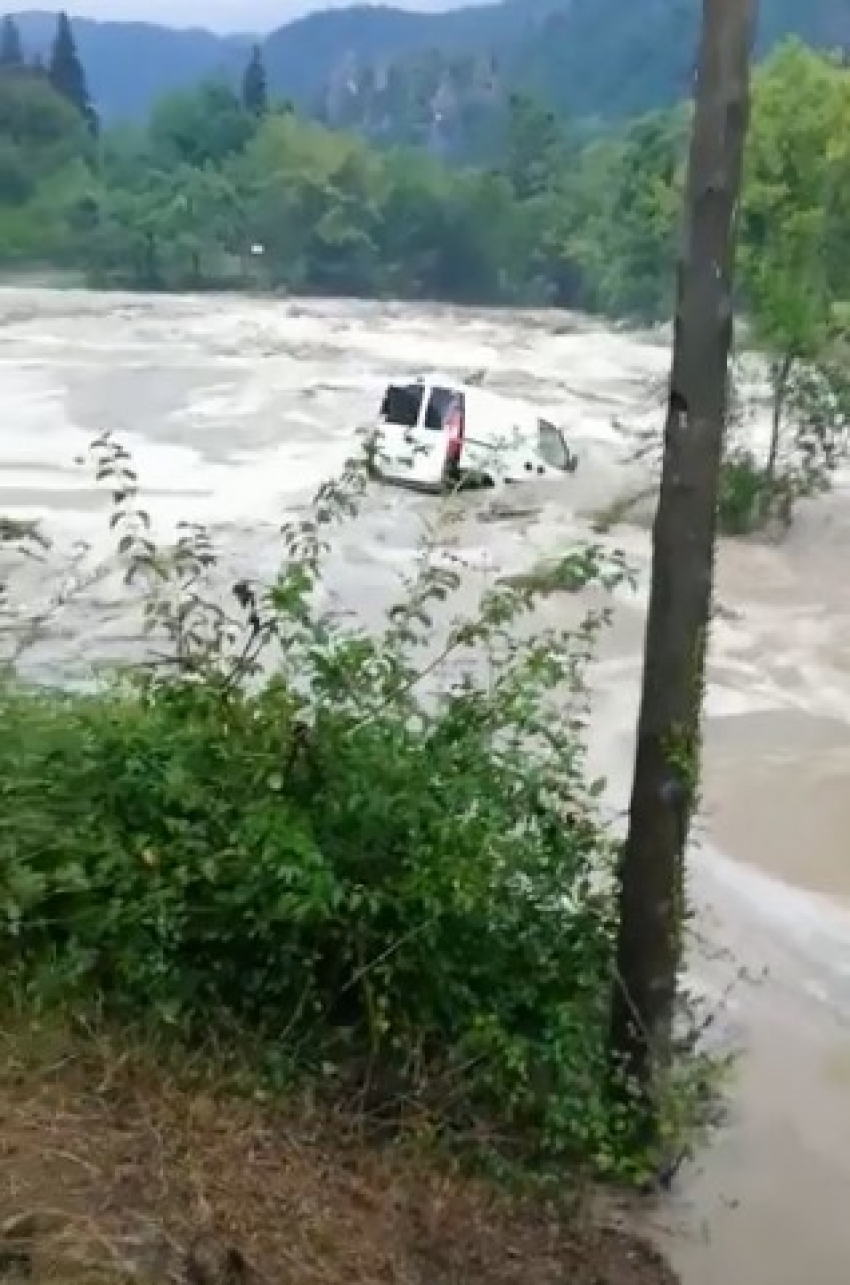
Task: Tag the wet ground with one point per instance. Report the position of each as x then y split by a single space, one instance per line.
234 410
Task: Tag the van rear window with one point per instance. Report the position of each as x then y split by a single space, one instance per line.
402 403
440 405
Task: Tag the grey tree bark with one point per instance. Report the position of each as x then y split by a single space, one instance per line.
666 769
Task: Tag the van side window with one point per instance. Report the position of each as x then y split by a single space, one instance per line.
440 404
401 404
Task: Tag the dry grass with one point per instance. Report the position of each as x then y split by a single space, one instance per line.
113 1173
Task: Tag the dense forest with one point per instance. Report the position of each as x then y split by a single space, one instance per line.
229 188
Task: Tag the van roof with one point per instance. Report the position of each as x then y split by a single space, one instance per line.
477 398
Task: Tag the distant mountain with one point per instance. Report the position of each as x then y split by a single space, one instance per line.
367 65
131 64
429 77
307 56
616 58
606 59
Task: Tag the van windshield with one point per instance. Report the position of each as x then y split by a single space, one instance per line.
402 403
552 447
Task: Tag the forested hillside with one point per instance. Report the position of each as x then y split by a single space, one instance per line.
440 77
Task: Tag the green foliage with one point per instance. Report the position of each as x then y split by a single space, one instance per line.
183 203
204 126
535 154
794 225
39 122
812 441
387 868
798 159
793 278
644 216
744 495
42 142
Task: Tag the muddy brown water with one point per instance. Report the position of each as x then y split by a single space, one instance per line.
234 410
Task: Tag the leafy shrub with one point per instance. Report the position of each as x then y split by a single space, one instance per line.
744 494
303 830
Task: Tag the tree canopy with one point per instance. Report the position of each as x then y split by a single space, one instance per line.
66 75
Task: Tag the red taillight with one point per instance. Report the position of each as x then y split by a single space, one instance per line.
454 434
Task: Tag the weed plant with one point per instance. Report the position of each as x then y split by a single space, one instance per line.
377 855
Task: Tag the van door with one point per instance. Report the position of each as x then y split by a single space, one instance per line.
398 418
420 428
493 439
445 424
552 448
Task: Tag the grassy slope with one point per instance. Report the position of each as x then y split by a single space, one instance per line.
113 1172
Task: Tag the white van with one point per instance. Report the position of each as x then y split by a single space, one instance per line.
442 434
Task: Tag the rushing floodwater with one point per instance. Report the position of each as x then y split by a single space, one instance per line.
235 410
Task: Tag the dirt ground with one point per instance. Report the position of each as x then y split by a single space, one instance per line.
112 1174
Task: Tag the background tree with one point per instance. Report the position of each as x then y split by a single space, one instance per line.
637 237
535 151
41 136
202 126
666 772
255 94
66 74
798 168
11 49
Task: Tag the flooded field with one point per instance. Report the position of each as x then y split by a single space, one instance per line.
234 410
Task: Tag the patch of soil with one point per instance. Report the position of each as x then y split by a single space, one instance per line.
112 1173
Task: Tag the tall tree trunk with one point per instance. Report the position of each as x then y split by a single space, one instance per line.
150 262
666 766
781 374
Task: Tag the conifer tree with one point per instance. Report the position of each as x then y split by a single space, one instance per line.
11 50
255 94
65 72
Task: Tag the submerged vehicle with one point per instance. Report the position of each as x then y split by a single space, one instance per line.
436 435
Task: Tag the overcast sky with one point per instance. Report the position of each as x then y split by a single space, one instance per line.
224 15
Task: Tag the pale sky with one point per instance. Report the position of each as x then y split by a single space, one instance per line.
225 15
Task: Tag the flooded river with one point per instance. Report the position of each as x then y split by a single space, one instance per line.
234 410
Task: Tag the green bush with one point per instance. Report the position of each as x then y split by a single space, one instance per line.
298 829
743 494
